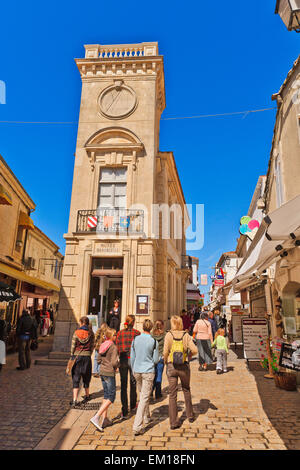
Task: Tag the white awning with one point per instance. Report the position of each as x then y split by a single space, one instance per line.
277 233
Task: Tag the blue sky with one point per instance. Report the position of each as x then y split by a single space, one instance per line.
217 60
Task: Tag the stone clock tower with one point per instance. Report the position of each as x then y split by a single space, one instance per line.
119 174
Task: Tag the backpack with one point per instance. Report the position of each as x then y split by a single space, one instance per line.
177 354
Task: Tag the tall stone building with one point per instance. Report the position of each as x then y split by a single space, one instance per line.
112 247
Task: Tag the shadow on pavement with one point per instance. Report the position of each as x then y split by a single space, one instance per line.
281 407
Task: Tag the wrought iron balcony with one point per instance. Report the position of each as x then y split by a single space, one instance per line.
111 220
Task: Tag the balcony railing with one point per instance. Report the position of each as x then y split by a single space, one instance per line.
109 220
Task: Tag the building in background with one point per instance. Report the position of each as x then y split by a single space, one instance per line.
193 296
119 174
22 248
270 270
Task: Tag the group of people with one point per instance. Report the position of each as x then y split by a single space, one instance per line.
29 325
141 357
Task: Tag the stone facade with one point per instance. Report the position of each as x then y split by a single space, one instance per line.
122 99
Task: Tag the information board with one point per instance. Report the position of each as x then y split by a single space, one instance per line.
290 357
142 304
236 324
93 322
255 333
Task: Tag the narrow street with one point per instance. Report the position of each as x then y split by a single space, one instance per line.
237 410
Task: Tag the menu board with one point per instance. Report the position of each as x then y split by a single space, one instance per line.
255 333
236 324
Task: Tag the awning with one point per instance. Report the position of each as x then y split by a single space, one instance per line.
21 276
25 221
193 296
8 294
5 197
277 233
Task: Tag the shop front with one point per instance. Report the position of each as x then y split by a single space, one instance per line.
106 284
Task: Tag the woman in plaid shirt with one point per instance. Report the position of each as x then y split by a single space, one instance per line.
123 342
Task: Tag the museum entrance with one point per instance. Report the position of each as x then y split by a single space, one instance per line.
106 285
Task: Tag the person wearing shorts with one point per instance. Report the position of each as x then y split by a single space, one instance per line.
82 349
109 360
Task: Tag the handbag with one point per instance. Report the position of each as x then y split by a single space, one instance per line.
34 345
71 363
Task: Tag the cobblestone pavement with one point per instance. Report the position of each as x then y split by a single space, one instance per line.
31 401
237 410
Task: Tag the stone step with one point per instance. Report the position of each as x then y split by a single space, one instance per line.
59 355
51 362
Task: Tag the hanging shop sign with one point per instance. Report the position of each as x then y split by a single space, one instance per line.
249 227
255 334
203 279
142 304
236 325
290 356
219 282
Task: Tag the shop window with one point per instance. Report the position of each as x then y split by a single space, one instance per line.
278 181
107 263
112 188
19 240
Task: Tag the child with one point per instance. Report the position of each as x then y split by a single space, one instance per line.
98 340
220 343
109 360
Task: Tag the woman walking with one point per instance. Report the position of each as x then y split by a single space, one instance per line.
159 335
45 323
202 330
109 360
82 348
220 343
98 340
178 349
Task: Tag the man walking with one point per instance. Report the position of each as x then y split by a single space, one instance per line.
25 332
124 340
143 357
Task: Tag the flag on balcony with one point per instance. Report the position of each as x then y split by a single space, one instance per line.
92 221
108 221
124 222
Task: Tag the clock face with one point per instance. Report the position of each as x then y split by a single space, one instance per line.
117 101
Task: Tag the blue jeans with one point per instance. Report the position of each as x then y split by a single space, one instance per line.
159 371
96 367
109 388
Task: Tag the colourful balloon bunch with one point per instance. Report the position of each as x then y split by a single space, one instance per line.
249 226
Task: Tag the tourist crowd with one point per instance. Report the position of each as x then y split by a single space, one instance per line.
141 357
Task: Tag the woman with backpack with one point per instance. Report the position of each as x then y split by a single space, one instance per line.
178 349
203 332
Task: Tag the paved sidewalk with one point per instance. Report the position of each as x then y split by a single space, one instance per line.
237 410
31 401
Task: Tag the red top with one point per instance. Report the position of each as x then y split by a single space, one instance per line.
124 340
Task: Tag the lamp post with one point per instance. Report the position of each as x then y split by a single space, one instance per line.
289 12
